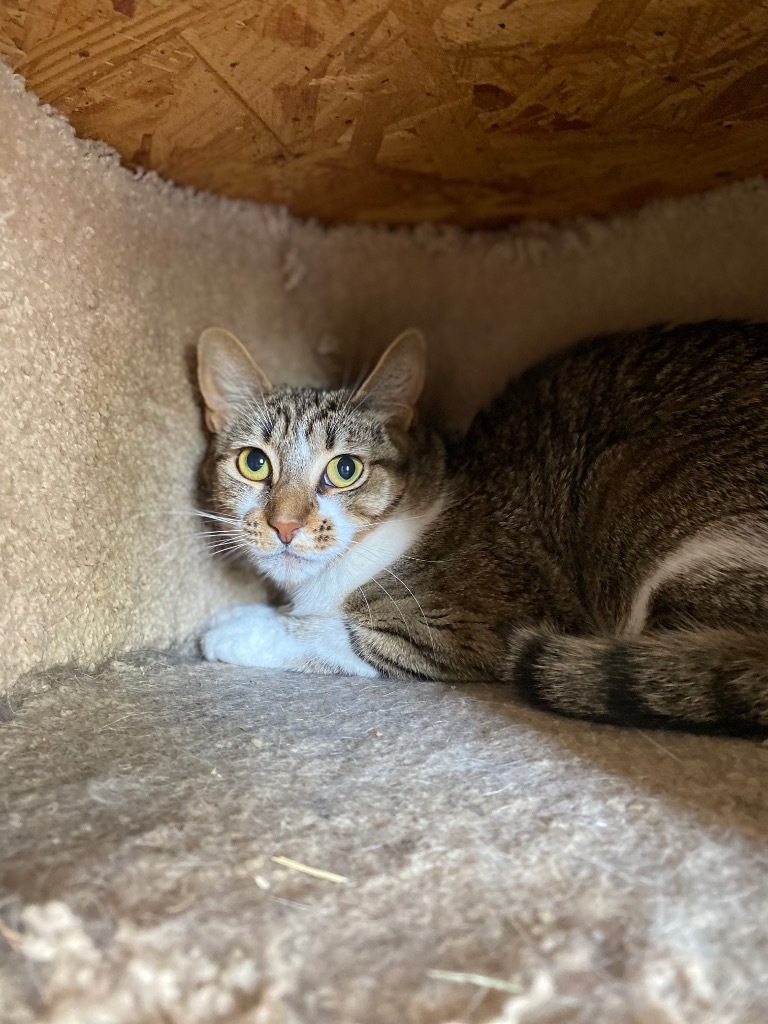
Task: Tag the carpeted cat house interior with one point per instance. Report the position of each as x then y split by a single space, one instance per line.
189 843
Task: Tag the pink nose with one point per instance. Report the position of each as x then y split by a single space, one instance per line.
285 529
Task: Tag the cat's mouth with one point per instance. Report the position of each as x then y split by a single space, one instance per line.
287 554
285 565
289 567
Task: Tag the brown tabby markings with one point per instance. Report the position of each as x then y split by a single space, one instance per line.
603 539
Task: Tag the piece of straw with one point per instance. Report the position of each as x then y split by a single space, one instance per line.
296 865
475 979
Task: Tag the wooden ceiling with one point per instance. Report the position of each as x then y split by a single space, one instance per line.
479 112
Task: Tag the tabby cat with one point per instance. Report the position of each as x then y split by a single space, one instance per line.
598 539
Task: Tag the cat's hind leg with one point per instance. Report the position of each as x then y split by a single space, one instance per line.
692 650
717 578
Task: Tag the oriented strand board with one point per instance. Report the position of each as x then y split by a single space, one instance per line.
473 111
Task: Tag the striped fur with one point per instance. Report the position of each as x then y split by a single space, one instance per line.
692 677
598 540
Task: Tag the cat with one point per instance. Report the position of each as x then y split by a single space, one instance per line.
598 539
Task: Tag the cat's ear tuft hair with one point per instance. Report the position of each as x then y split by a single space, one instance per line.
394 385
227 375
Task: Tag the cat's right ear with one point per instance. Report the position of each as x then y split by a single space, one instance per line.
226 374
395 383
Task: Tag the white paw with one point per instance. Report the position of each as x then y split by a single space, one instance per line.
254 635
240 612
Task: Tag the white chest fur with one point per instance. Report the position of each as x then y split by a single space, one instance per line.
325 594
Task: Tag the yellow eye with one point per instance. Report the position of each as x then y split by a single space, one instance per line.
343 471
254 464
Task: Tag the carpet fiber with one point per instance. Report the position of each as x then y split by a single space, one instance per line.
585 873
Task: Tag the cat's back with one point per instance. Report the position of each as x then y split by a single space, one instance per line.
597 463
625 443
710 377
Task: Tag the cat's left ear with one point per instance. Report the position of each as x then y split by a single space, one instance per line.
394 385
227 375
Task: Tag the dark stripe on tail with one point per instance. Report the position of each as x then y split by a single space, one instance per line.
710 681
625 702
527 671
732 709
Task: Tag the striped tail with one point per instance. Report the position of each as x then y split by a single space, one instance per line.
703 679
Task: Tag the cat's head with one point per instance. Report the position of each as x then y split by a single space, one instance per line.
300 474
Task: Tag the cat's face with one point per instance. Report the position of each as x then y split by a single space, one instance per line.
300 474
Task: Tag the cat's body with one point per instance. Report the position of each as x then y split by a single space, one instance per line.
599 538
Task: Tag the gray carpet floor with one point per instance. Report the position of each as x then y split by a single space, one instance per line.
485 862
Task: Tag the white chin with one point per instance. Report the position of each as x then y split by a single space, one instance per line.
288 569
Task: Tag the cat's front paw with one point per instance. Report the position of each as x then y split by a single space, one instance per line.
253 635
241 613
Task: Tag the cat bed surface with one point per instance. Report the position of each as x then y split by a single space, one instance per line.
192 844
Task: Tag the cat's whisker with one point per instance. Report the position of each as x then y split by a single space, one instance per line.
427 561
214 516
227 544
217 533
222 532
446 506
359 590
367 605
397 606
418 604
207 538
338 417
360 377
194 513
245 395
353 389
361 401
191 511
164 513
224 540
192 539
228 553
410 519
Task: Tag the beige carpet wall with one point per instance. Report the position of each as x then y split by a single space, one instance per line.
106 280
